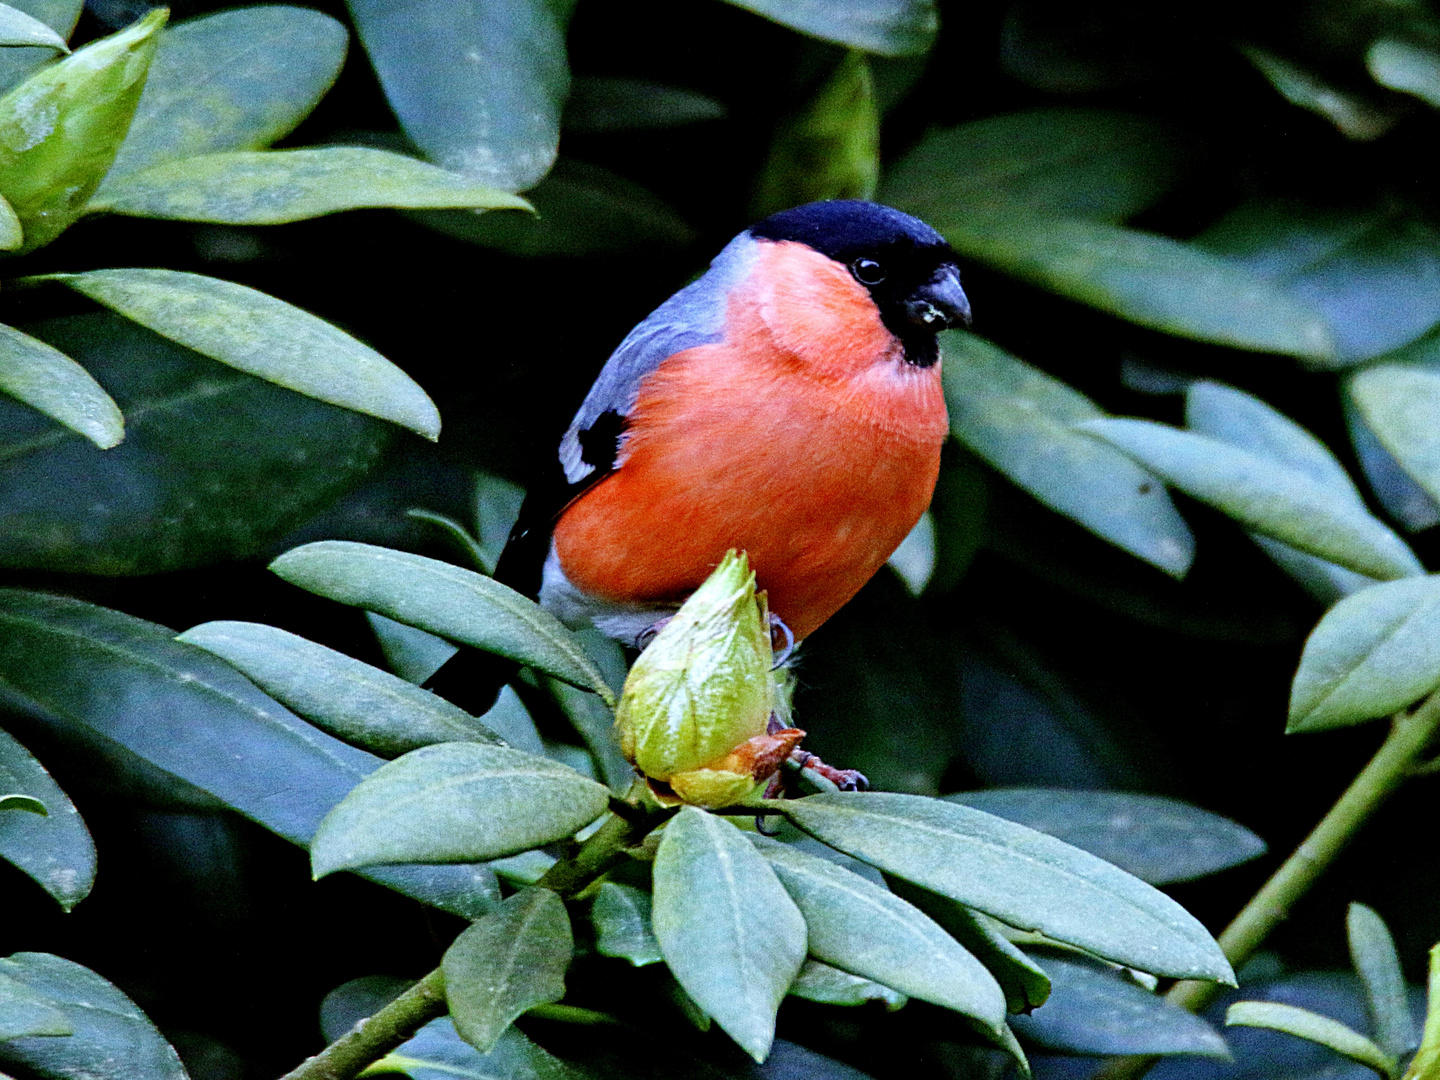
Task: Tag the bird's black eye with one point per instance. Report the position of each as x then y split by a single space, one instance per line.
867 271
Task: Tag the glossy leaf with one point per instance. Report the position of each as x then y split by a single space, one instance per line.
727 928
1407 67
1021 421
19 28
54 849
605 103
1093 1010
350 699
486 102
1263 495
1020 876
868 930
235 80
455 802
1304 1024
112 1037
1150 280
60 15
271 187
100 675
24 1012
61 127
887 27
438 1053
1158 840
1376 651
505 963
216 465
46 379
1088 163
265 337
1398 402
1372 951
412 654
621 917
443 599
830 986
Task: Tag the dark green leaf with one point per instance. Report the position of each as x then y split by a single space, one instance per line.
56 849
351 1002
527 868
621 916
1272 499
112 1038
271 187
1376 651
60 16
234 80
48 380
412 654
1394 488
350 699
831 986
1022 422
1399 403
12 233
125 681
1093 1010
1020 876
1304 1024
509 719
265 337
24 1012
1352 116
604 103
18 28
438 1053
217 465
1158 840
726 926
914 560
887 27
595 724
511 960
1089 163
61 127
486 100
1406 67
27 803
455 802
443 599
1372 951
1147 279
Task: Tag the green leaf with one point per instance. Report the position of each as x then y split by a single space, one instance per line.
111 680
412 654
1087 163
511 960
455 802
1394 488
18 28
1376 651
486 101
509 719
111 1036
28 803
599 104
1406 67
1158 840
12 233
353 1001
443 599
621 917
48 380
831 986
216 465
1020 876
830 149
1094 1010
865 929
1352 116
1237 418
24 1012
886 27
914 560
235 80
1263 495
262 336
1150 280
18 62
1372 951
61 127
595 724
271 187
1304 1024
727 928
54 849
1399 403
350 699
438 1053
1022 421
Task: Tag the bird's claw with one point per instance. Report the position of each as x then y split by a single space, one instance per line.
785 651
844 779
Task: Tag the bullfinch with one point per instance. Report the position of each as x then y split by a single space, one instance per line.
787 403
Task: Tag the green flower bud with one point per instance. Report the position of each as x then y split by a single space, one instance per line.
703 686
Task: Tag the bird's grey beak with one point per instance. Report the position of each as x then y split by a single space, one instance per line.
940 303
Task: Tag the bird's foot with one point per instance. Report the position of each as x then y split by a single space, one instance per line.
844 779
782 640
646 636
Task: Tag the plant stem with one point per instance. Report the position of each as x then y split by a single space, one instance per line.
1398 757
375 1036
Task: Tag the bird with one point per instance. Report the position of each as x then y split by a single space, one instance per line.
787 403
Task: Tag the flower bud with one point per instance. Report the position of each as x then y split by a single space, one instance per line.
703 685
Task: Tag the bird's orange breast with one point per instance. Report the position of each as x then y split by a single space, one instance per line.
802 438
